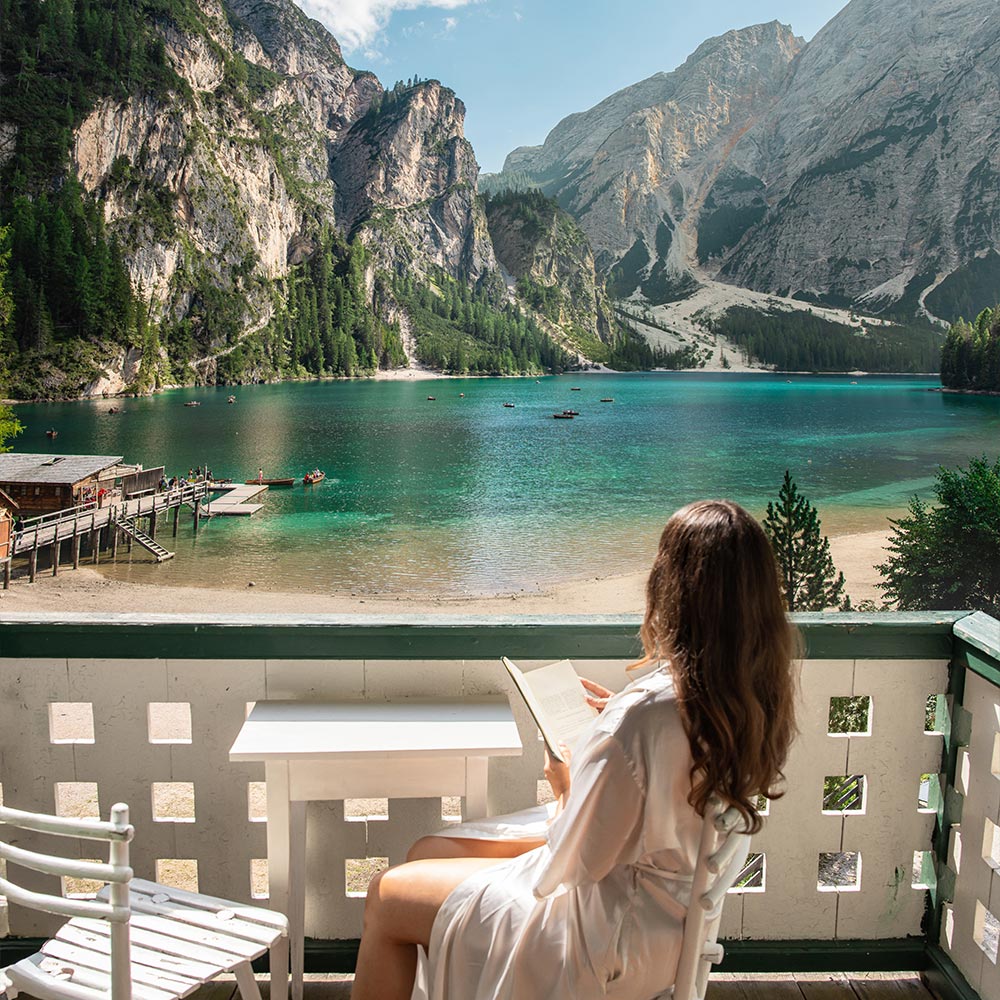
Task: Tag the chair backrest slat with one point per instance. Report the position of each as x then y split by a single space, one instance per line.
67 867
61 905
722 849
63 826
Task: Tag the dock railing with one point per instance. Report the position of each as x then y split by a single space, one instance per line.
902 710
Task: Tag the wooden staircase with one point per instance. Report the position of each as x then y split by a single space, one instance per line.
130 528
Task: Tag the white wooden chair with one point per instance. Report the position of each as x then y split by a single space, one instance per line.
137 938
722 854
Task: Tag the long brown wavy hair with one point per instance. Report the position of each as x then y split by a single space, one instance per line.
715 614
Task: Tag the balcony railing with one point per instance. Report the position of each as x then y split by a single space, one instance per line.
884 852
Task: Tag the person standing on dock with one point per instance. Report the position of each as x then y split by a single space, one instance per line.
260 477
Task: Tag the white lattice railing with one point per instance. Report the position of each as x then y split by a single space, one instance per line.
77 734
970 919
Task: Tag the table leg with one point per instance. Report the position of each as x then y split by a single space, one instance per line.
297 894
278 861
476 780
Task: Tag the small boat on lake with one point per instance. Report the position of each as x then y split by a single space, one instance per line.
562 416
509 406
316 476
608 399
575 388
432 398
290 481
232 399
192 402
571 413
51 433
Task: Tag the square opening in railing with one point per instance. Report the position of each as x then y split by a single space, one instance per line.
259 887
71 722
169 722
844 794
543 793
929 793
850 716
173 801
77 799
753 874
257 801
839 871
937 718
986 932
181 873
363 810
923 875
82 888
991 844
358 872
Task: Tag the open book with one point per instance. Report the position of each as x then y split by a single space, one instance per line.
557 702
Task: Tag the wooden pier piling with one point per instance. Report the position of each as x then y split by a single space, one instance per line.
77 538
32 565
177 514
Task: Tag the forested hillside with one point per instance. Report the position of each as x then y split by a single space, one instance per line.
191 191
970 358
800 341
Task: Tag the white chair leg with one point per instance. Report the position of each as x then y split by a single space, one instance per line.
246 982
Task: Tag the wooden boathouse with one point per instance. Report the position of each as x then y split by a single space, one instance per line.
43 484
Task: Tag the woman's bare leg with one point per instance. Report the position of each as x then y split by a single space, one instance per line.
399 914
439 846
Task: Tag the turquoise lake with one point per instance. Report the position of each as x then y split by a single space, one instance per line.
463 495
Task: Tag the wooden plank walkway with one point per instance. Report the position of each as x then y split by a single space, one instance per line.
774 986
233 502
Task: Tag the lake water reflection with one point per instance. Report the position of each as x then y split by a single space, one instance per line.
463 495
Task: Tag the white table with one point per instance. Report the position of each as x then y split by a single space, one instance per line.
344 750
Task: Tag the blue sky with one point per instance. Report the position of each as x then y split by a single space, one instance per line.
522 65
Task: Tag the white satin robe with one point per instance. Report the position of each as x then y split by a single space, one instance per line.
597 911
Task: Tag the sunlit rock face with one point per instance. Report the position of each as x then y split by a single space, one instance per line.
862 168
275 137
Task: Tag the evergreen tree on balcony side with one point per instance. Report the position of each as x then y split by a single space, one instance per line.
947 557
809 579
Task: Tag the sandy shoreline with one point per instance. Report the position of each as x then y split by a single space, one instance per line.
86 589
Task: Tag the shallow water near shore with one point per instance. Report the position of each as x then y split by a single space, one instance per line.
461 495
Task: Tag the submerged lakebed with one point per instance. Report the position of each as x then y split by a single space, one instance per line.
463 495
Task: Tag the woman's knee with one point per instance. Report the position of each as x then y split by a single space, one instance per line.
427 848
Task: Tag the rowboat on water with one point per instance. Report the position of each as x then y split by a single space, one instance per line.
271 482
316 476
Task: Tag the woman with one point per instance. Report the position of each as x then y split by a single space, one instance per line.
597 909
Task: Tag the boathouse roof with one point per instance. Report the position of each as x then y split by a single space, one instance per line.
62 470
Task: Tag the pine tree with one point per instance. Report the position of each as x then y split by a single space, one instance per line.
809 579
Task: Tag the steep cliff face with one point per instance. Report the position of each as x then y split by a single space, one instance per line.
552 264
225 186
406 177
635 169
862 169
882 160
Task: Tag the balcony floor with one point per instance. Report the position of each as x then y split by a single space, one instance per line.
724 986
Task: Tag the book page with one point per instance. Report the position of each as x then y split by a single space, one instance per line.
556 700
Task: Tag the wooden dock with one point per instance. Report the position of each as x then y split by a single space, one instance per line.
233 503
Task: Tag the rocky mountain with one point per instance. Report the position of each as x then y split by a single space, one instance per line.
860 170
235 148
551 264
635 170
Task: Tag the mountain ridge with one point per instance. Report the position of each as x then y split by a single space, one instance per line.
867 182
